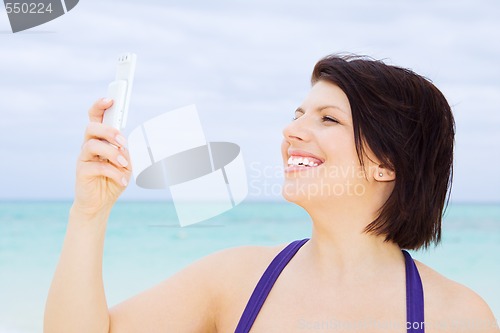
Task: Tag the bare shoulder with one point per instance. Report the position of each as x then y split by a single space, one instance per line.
240 264
219 270
210 287
232 272
453 307
239 270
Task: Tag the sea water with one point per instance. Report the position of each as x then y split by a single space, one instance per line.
145 245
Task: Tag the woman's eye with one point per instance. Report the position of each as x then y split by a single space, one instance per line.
326 118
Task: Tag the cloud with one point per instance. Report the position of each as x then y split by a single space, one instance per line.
246 66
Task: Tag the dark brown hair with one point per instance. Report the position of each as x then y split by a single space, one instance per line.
408 125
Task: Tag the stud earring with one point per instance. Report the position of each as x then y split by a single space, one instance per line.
381 174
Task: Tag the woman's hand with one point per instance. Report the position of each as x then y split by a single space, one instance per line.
103 169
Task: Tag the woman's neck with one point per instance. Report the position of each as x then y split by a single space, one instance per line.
340 246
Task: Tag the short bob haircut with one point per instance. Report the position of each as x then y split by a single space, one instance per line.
408 125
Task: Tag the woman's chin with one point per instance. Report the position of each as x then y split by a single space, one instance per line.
298 193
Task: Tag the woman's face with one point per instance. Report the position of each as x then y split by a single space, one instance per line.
321 136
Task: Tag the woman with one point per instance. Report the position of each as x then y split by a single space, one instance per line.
368 156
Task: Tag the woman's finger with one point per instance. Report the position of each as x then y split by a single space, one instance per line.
97 150
94 169
96 111
105 132
125 152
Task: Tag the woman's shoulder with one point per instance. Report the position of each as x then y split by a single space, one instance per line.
242 259
233 275
453 305
236 267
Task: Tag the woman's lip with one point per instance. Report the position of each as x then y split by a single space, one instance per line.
302 153
294 168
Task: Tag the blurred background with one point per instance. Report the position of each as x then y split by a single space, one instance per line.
246 65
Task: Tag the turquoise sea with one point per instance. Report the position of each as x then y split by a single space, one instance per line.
144 245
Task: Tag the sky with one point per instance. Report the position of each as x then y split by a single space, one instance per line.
246 65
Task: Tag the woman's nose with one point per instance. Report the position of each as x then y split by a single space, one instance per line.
297 130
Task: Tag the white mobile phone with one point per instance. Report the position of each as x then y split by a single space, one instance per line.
119 90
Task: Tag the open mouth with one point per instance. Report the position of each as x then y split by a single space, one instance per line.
309 162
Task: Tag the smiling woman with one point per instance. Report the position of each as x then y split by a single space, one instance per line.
401 125
368 156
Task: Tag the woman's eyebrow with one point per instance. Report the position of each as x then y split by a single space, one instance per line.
321 108
330 107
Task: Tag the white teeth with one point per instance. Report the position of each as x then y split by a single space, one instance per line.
301 161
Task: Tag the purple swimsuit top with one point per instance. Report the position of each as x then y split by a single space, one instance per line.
414 290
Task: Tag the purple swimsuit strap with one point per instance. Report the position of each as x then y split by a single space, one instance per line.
414 290
414 297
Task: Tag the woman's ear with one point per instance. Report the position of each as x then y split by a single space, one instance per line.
383 174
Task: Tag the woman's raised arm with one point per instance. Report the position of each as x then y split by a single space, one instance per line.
76 300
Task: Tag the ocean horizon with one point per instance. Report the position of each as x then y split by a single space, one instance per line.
145 244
